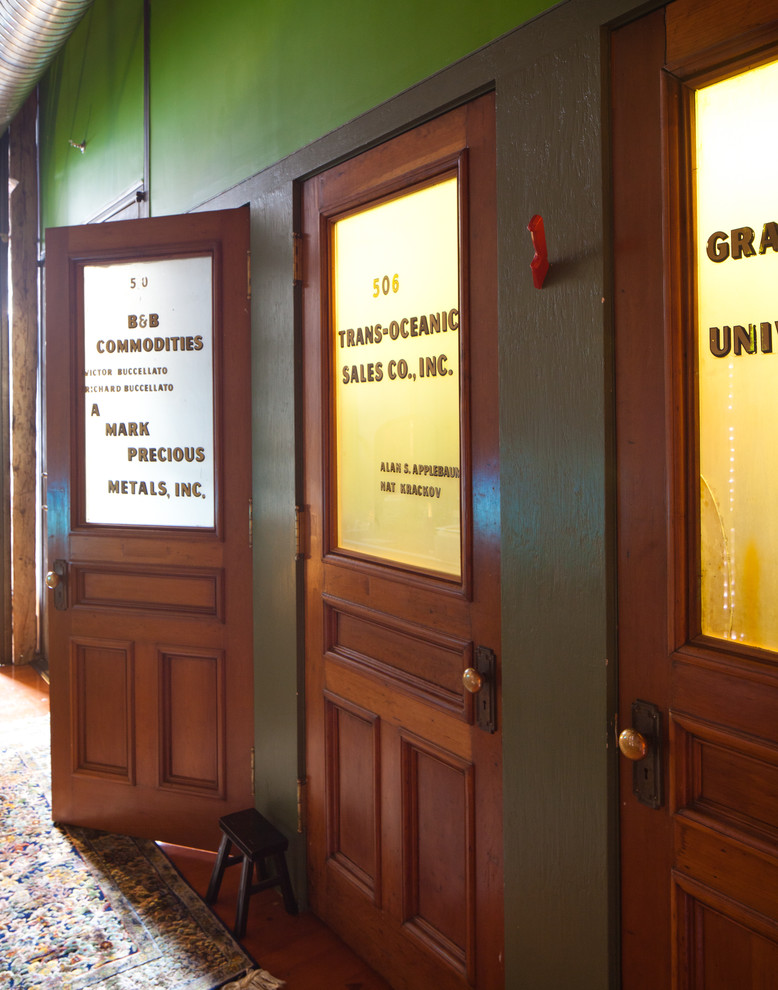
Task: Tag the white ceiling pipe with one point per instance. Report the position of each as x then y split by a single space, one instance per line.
31 34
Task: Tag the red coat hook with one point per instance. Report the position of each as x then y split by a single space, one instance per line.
539 263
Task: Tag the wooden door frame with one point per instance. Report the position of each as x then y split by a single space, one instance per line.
638 220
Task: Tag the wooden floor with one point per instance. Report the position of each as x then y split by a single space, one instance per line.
300 950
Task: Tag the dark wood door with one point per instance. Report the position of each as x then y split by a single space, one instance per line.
402 575
699 825
149 468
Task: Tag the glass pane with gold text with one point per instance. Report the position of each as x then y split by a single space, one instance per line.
397 382
737 276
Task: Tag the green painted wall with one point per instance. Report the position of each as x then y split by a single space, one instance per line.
234 87
93 92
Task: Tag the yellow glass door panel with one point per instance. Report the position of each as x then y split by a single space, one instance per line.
396 345
737 299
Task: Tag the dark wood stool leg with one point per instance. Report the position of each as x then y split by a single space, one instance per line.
218 871
256 840
285 883
246 876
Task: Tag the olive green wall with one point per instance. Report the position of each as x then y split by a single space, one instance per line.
240 86
233 87
93 93
561 874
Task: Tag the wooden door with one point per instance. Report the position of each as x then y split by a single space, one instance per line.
402 575
695 385
149 468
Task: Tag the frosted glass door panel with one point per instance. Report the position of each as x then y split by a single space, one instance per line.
148 393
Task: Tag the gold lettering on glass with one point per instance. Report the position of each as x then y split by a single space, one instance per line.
395 346
737 297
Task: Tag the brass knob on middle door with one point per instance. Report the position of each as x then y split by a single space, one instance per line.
632 744
472 680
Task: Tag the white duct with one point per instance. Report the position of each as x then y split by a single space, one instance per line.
31 34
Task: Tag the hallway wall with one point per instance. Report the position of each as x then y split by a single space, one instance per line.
211 151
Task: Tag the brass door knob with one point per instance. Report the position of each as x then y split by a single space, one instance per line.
52 579
632 744
472 680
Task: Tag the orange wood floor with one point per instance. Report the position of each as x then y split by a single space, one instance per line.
300 950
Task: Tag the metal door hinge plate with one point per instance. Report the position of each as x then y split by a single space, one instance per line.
300 806
297 245
300 532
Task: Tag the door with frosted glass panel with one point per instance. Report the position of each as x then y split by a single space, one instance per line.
696 266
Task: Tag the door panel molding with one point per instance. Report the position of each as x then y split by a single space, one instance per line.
439 851
102 678
121 587
353 800
390 648
192 719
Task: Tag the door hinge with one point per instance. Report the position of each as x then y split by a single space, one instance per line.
297 246
248 275
253 761
251 524
300 806
300 532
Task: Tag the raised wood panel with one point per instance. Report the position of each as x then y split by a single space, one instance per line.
415 660
438 860
137 549
421 600
353 769
738 870
192 720
397 707
730 780
102 678
721 944
729 692
118 587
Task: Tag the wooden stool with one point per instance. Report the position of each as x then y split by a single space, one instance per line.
257 841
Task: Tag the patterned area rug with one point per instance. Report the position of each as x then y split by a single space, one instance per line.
85 910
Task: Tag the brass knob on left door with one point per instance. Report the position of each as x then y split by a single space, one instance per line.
632 744
472 680
52 580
